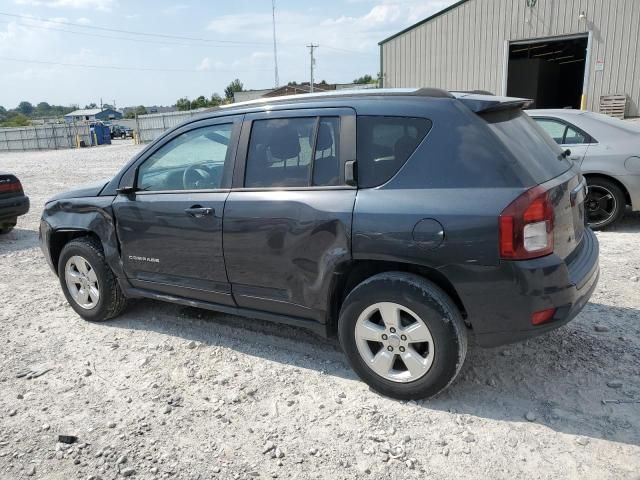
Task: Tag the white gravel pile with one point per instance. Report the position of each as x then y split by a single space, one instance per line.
173 392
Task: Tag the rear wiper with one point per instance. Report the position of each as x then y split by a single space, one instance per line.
565 154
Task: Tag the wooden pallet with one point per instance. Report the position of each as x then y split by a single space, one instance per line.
613 105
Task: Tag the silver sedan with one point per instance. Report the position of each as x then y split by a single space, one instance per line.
608 152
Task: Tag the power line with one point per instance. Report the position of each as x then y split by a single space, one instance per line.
113 37
131 32
118 67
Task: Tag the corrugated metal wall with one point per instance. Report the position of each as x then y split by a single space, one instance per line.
152 126
464 48
43 137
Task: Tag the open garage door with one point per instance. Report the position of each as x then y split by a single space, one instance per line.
550 72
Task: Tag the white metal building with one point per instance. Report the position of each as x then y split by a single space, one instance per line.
562 53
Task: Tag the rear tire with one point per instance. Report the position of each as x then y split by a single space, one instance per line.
605 203
429 333
87 281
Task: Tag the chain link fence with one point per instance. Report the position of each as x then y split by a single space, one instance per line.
44 137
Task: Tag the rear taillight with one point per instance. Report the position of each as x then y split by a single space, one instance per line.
543 316
526 226
10 186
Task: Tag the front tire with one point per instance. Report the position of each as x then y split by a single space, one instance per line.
605 203
402 335
88 282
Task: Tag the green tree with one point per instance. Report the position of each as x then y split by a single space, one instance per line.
25 108
90 106
216 100
15 119
364 79
200 102
183 104
233 87
106 106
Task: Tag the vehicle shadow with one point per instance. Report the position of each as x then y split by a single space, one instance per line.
18 239
630 223
560 377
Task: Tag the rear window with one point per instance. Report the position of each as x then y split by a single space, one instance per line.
384 144
534 149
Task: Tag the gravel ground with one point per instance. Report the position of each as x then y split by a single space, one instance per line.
173 392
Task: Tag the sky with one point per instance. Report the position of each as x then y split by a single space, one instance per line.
77 51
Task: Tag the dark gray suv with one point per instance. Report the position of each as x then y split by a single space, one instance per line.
403 221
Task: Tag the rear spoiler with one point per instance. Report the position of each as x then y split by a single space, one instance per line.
479 103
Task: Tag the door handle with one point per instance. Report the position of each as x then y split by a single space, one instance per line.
198 212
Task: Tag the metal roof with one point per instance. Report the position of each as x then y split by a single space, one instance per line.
435 15
87 111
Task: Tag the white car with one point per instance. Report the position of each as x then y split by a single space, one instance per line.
608 152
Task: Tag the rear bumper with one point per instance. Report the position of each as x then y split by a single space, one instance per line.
501 311
13 207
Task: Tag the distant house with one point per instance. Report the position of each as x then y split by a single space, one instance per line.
92 114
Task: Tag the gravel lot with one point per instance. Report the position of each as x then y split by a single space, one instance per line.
173 392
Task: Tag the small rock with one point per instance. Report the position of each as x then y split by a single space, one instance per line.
191 345
68 439
385 457
614 384
634 279
279 452
342 395
127 472
406 439
45 427
445 451
582 441
87 372
468 437
530 416
601 328
216 469
20 396
466 450
121 460
154 470
13 413
313 451
410 464
167 409
111 424
268 447
280 463
31 471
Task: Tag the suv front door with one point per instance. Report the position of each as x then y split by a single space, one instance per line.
170 228
287 221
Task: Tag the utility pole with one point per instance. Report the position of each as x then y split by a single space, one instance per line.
313 64
275 45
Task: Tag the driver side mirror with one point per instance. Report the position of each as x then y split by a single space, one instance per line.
127 190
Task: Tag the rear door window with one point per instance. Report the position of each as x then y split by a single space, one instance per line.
293 152
538 154
384 144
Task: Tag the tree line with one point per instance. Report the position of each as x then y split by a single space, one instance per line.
215 100
22 115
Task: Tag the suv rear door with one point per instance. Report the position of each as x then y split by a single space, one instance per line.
287 221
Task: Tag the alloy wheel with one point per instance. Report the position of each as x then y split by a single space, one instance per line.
601 205
394 342
82 282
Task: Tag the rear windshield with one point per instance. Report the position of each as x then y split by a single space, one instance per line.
534 149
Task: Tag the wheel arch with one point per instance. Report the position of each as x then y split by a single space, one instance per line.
615 181
61 237
357 271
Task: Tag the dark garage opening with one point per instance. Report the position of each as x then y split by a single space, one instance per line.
549 72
